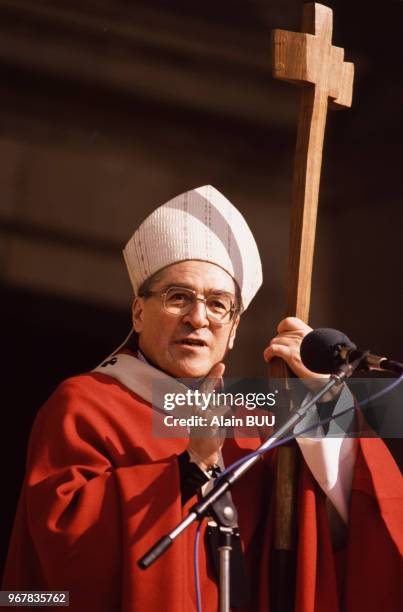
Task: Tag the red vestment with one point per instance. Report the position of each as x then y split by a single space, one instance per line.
100 490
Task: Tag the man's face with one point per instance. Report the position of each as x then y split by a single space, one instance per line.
165 339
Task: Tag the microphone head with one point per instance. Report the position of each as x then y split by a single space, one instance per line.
319 350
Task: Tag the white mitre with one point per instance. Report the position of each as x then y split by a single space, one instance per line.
199 224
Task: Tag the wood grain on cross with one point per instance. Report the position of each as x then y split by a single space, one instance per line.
305 58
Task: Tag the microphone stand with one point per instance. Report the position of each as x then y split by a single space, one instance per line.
221 506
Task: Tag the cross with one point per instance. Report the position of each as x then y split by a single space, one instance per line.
309 59
305 58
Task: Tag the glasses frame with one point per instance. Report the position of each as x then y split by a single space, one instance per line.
234 310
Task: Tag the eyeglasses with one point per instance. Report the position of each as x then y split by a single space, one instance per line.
179 301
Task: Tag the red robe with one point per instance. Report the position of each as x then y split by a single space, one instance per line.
100 489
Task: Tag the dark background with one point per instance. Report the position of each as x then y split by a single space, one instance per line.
110 108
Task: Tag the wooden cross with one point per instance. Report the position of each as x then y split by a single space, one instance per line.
308 59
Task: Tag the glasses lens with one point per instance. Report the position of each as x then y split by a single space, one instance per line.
220 308
178 301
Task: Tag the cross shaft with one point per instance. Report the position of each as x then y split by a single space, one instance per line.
306 58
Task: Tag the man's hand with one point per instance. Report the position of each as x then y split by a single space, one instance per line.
287 346
205 442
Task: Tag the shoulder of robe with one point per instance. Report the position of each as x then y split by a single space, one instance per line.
90 397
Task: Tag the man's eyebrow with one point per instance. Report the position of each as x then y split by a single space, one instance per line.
184 285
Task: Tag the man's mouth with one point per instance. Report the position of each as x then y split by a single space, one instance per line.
191 342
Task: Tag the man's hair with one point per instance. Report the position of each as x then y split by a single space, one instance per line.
150 282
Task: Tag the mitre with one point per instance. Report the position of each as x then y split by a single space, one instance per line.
200 224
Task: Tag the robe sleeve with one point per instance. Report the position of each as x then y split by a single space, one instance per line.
88 512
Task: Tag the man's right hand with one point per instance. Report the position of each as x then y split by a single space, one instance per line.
206 442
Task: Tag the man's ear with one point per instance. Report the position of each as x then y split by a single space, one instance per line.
137 314
232 334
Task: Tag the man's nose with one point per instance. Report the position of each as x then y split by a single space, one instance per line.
197 316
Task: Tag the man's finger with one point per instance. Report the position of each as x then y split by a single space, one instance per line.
211 381
277 350
292 324
286 340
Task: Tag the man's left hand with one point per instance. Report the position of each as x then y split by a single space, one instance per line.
287 346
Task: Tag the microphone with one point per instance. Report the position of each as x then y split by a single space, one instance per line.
326 350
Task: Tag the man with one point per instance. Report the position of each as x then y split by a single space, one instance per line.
100 488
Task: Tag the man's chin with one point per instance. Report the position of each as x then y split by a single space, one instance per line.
191 370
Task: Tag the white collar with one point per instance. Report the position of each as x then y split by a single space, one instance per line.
138 375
